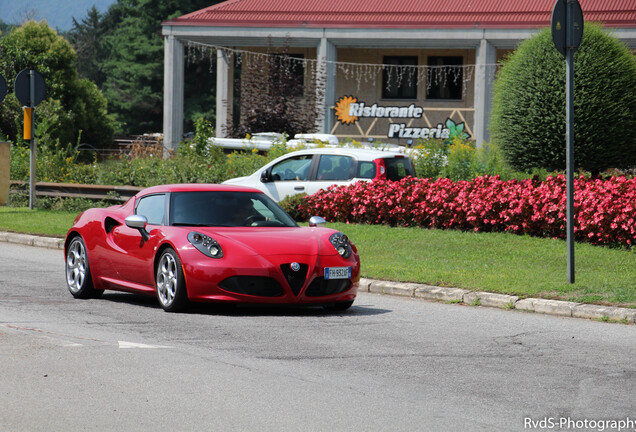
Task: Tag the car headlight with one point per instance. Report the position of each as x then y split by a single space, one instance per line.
205 244
341 243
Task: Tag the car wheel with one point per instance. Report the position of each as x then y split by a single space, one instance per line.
78 272
339 307
171 289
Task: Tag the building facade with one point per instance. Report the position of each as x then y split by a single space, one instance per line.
389 71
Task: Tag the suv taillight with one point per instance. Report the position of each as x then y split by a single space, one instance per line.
380 169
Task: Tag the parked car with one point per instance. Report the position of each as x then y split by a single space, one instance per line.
209 243
308 171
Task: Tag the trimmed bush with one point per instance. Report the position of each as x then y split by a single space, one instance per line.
528 120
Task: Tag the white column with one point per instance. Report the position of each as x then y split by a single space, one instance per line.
172 93
222 92
484 79
327 55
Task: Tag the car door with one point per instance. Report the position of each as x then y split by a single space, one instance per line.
288 177
332 169
134 262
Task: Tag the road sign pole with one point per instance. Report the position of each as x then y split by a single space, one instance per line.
569 156
33 160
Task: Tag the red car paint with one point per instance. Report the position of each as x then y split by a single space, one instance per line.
120 259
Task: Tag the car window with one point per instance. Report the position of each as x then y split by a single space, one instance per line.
334 167
294 168
398 168
153 207
366 170
227 209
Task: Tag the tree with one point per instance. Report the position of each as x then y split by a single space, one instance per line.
86 38
279 98
76 104
528 121
132 63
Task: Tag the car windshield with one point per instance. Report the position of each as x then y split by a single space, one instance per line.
227 209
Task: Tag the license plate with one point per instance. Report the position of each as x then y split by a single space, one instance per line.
337 272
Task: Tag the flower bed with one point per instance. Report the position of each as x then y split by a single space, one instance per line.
605 210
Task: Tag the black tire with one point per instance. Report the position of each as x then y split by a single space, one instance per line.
78 272
339 307
170 282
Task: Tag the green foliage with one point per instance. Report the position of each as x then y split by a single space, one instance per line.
459 160
87 40
430 158
129 67
72 105
529 104
291 205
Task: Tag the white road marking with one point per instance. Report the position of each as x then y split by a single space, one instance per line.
129 345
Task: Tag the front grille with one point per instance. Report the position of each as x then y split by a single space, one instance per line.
295 279
252 285
323 287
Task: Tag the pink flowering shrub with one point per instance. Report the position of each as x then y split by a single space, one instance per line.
605 210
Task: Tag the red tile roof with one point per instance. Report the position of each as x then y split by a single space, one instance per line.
401 13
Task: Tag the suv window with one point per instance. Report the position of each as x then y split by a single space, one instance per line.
398 168
294 168
153 207
366 170
334 167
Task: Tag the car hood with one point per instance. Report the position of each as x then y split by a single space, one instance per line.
273 241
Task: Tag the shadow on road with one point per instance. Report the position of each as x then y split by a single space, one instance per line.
245 310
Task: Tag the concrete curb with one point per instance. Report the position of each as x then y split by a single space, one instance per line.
503 301
431 293
32 240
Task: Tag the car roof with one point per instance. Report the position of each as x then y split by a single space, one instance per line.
359 153
196 187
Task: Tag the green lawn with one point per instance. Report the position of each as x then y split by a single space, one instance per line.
43 222
494 262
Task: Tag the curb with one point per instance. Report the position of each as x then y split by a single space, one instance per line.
32 240
428 292
502 301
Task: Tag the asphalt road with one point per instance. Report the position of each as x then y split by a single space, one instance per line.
388 364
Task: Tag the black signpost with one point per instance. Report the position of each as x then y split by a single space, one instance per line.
30 89
567 33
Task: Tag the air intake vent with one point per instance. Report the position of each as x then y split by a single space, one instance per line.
321 287
252 285
295 279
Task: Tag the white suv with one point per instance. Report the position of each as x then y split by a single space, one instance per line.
308 171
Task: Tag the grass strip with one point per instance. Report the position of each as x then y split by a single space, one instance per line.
40 222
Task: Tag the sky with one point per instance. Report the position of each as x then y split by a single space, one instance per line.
57 13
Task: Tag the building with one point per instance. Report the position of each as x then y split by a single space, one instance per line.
393 71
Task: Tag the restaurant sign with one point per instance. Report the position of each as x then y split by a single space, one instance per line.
349 110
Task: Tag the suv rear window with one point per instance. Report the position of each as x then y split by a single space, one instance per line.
398 168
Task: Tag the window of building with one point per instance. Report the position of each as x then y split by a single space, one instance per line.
444 77
399 78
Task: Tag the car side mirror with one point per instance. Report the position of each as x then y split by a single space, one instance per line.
317 221
266 177
138 222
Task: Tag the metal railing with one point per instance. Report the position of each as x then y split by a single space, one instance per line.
76 190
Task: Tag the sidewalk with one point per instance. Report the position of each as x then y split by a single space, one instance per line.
431 293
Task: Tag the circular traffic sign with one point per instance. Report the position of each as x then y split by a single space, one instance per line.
567 26
3 88
23 87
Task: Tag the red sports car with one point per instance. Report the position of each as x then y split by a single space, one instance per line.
209 243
